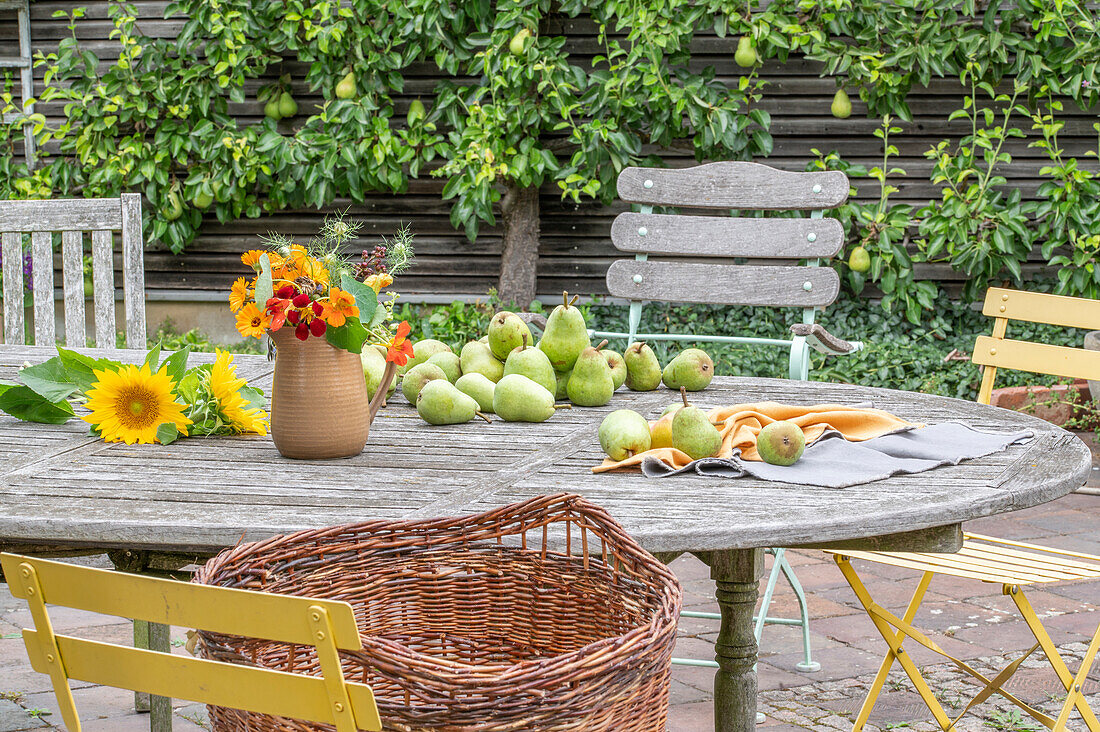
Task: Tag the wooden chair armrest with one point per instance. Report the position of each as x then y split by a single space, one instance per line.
535 319
825 342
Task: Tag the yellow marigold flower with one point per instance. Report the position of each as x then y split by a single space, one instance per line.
378 281
225 385
239 294
129 405
338 308
251 258
251 321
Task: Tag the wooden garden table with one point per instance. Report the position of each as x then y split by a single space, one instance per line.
153 506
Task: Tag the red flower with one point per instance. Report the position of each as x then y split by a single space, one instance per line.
277 308
293 316
318 308
300 301
400 348
286 292
317 327
301 332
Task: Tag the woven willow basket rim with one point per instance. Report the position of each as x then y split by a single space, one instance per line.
586 661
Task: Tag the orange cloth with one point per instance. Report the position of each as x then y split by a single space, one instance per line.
743 422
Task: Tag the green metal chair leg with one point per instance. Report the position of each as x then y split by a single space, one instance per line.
808 665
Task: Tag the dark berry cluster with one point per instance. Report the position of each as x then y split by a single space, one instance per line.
374 262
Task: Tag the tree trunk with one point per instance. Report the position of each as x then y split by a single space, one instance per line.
520 256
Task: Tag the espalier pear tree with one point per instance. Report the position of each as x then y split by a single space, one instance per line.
536 110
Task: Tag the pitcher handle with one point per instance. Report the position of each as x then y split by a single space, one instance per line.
383 388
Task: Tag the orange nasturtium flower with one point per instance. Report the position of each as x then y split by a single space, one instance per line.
400 348
239 294
377 281
339 307
251 321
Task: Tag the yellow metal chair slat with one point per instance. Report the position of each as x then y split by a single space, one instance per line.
326 625
1012 564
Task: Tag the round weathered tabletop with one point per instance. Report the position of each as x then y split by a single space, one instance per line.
59 486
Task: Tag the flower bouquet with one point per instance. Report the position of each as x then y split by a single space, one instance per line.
154 402
320 310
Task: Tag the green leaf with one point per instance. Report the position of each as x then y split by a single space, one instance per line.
349 336
81 369
152 359
167 433
24 403
50 380
177 364
366 299
264 286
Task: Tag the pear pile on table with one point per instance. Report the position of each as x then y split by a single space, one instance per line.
510 373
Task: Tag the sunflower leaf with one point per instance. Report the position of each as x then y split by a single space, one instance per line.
177 364
25 403
167 433
50 379
82 368
254 397
152 359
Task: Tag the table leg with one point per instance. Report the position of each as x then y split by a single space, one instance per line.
736 574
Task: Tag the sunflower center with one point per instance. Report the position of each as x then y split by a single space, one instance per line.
137 407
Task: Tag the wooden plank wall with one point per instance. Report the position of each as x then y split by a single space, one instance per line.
575 249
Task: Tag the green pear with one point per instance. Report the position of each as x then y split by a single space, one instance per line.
449 362
483 339
781 443
693 433
691 369
745 55
479 387
590 384
617 365
422 351
287 106
532 363
643 370
271 110
842 105
439 402
476 358
660 434
561 389
374 364
518 399
859 260
346 88
416 377
624 433
507 331
565 335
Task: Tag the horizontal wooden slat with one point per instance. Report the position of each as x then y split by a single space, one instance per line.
256 614
725 236
239 687
723 284
73 214
734 184
1040 358
1040 307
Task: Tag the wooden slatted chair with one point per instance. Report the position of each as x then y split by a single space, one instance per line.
102 217
1013 565
326 625
783 270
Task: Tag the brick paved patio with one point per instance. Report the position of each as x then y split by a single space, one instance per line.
968 619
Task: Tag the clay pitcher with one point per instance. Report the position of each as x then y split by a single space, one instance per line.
319 405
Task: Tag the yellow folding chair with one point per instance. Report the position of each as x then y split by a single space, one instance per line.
1013 565
326 625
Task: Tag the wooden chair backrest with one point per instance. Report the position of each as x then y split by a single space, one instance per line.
72 217
728 185
323 624
996 351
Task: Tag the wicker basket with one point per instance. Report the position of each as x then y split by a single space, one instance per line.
543 615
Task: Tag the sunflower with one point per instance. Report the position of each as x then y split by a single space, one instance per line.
226 388
239 294
252 322
129 405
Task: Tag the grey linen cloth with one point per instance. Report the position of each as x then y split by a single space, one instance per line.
834 462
